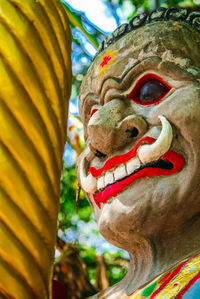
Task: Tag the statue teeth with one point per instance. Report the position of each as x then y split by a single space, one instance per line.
132 165
89 182
120 172
109 178
100 182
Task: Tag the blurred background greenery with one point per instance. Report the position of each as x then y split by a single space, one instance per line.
84 261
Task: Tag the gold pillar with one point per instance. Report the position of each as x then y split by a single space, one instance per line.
35 84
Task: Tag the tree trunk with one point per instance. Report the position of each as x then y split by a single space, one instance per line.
71 270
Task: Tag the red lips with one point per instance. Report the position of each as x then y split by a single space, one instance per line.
112 190
114 161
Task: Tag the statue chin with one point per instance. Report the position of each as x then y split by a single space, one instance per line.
148 208
140 171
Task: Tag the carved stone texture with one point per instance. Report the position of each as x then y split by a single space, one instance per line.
160 14
140 170
157 15
194 19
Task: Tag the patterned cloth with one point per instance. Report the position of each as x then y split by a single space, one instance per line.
180 282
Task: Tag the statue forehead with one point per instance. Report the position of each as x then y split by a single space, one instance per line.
174 42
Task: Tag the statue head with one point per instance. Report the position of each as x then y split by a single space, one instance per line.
140 106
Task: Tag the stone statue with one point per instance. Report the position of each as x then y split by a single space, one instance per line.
140 170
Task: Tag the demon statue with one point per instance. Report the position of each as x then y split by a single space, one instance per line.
140 170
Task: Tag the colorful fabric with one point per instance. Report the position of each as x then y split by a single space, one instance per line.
180 282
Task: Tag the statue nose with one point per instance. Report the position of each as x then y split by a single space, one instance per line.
114 126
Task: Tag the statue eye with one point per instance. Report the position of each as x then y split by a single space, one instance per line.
150 89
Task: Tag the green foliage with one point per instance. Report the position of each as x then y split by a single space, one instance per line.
181 3
117 266
69 185
67 198
88 254
76 21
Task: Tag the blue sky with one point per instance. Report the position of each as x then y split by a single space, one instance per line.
97 12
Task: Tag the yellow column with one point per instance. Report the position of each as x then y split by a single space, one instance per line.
35 84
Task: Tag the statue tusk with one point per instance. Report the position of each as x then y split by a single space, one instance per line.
151 152
88 183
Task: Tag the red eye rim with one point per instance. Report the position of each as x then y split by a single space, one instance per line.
93 111
134 94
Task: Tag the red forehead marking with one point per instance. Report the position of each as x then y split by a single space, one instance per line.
105 61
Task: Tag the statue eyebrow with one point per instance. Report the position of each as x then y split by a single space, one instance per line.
112 86
89 97
123 82
131 73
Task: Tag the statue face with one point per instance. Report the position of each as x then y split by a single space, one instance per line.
139 103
